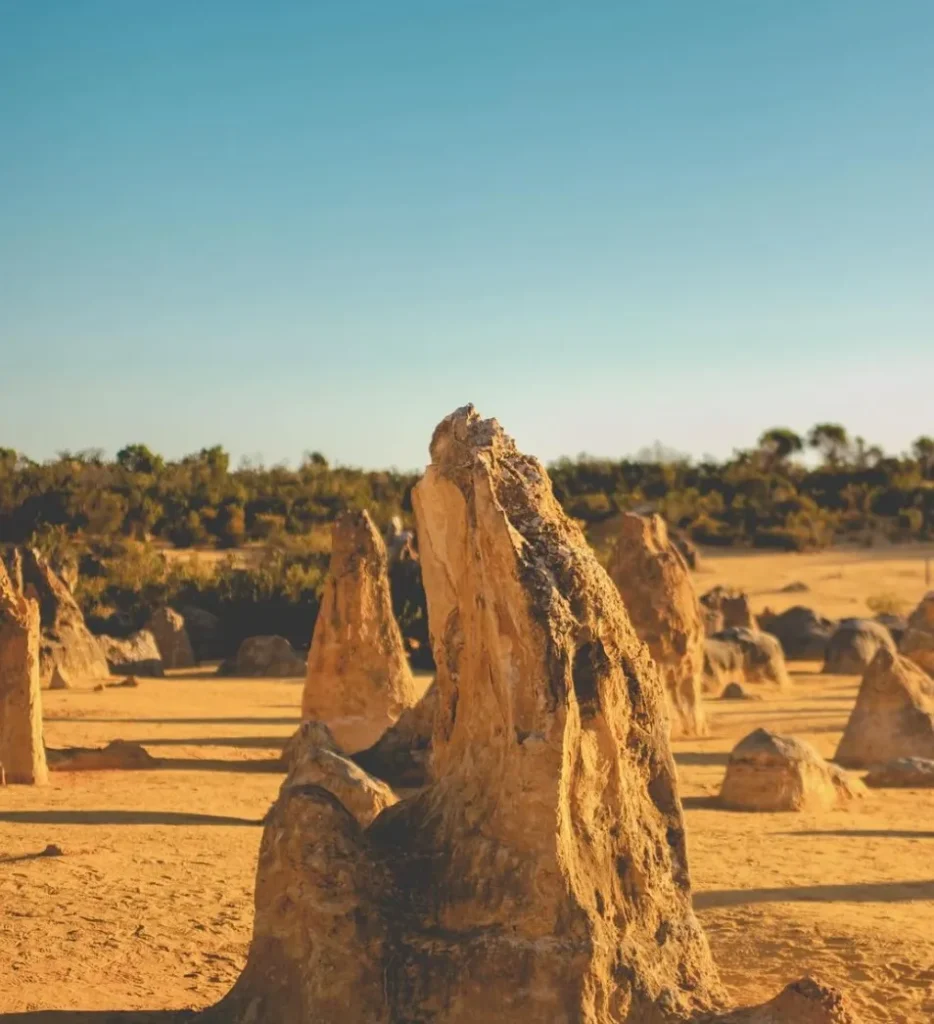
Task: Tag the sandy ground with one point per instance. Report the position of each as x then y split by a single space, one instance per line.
150 907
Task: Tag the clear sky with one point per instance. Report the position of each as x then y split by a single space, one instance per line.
323 224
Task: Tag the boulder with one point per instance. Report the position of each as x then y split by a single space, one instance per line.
733 691
803 633
60 680
137 654
853 645
118 755
768 772
168 628
897 625
271 656
724 608
893 716
402 755
314 760
22 754
542 875
65 639
744 656
655 585
802 1002
204 631
359 680
903 773
917 641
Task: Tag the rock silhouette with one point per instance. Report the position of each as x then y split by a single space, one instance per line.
853 645
655 584
358 680
744 656
270 656
723 608
893 716
803 633
542 874
768 772
137 654
171 635
22 754
917 642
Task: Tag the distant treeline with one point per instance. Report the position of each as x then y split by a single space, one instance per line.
87 510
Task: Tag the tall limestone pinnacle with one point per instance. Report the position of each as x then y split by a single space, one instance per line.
541 875
22 754
358 679
655 584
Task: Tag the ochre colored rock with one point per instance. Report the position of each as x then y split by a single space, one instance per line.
803 633
903 773
60 680
22 754
137 654
744 656
853 645
168 628
402 755
917 642
271 656
313 763
655 584
542 875
358 680
723 608
802 1002
65 638
768 772
893 716
118 755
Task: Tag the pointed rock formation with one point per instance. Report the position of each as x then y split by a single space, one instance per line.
358 680
917 642
768 772
893 716
853 645
22 754
65 639
655 584
171 635
60 680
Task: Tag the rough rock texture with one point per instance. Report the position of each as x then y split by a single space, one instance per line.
358 680
768 772
402 755
853 645
655 584
314 760
802 1002
744 656
893 716
903 773
65 639
60 679
895 624
204 631
118 755
168 628
22 755
137 654
266 656
687 549
542 875
803 633
725 609
917 642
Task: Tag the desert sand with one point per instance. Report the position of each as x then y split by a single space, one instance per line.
150 905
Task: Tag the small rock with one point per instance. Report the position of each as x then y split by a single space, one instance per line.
903 773
734 691
99 688
795 587
52 851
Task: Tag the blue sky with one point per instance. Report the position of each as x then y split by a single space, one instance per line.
325 224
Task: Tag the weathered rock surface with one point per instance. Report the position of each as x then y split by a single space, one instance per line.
655 584
60 680
118 755
803 633
903 773
724 608
542 875
402 755
359 680
853 645
917 642
22 755
768 772
893 716
65 638
168 628
744 656
270 656
315 760
802 1002
687 549
137 654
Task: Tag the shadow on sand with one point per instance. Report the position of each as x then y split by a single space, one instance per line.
99 1017
869 892
112 817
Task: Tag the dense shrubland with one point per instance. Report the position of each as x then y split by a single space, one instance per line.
111 519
